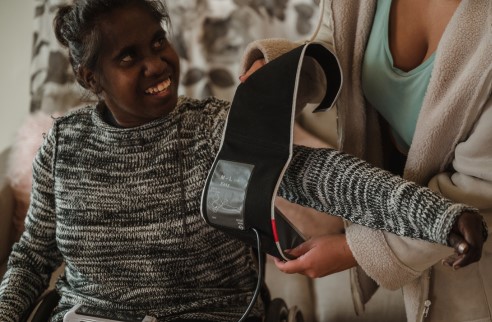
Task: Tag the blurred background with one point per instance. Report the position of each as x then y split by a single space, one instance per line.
209 35
16 24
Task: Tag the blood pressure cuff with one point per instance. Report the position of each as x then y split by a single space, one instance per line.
256 148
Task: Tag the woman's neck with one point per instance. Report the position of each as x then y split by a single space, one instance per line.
107 115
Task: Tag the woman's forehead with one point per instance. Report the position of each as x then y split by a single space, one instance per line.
127 25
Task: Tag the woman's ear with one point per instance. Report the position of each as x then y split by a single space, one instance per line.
89 80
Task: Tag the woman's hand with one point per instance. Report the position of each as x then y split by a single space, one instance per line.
467 237
256 65
319 256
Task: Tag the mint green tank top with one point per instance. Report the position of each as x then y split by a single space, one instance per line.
396 94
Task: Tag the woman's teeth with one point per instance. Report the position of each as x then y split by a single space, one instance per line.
159 87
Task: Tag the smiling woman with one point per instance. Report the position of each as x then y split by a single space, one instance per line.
54 89
116 185
137 71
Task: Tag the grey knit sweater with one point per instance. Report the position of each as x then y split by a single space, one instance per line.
121 208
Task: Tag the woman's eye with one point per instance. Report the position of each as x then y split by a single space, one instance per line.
127 59
159 43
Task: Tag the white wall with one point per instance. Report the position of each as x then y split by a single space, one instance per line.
16 23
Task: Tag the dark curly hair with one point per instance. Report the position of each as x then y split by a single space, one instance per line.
76 28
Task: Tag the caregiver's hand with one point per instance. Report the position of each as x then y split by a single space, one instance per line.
319 256
256 65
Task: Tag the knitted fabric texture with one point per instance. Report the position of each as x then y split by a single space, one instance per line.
109 201
340 184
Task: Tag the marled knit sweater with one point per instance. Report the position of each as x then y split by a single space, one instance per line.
121 207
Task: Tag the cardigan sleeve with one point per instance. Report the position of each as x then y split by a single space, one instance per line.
469 182
267 49
35 256
391 260
342 185
471 179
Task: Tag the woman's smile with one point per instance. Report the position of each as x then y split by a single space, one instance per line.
160 88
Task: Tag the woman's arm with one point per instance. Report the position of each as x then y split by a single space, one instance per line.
330 181
342 185
35 256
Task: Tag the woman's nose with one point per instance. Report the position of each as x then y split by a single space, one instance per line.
154 65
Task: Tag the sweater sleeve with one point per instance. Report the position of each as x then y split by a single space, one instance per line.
35 256
340 184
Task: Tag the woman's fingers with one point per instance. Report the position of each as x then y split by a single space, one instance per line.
458 243
290 267
467 238
256 65
296 265
319 256
459 261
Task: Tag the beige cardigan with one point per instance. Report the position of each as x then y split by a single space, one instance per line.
451 153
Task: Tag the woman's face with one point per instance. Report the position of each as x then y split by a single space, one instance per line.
138 69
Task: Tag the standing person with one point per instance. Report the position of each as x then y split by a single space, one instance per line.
416 100
117 186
